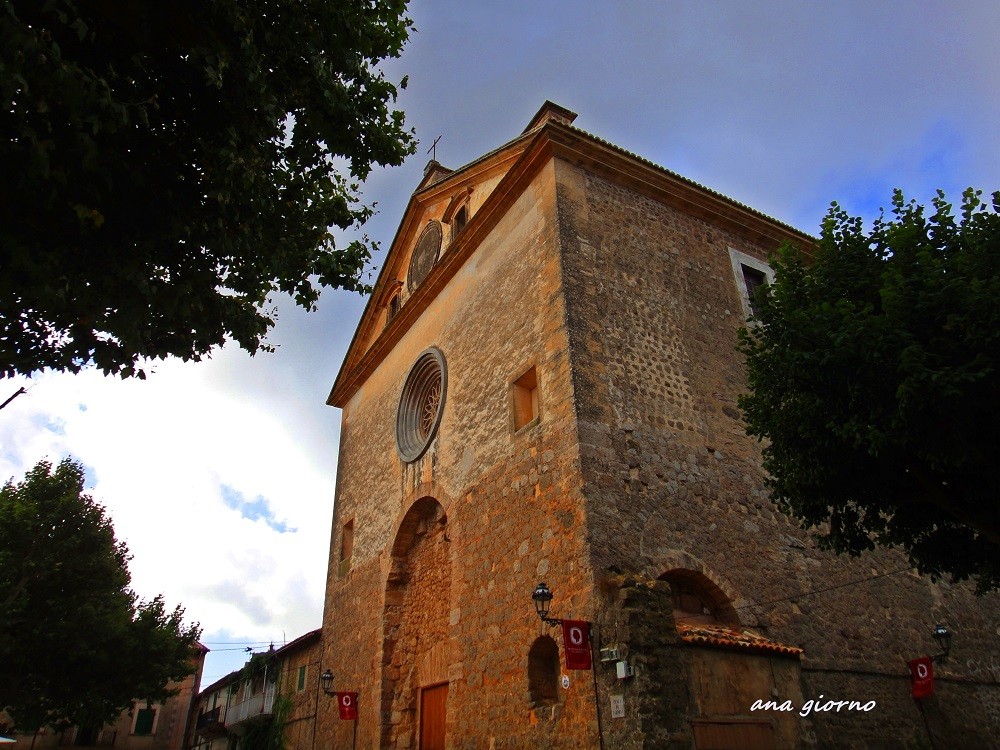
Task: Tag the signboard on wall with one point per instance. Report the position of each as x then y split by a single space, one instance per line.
617 706
576 642
922 677
347 704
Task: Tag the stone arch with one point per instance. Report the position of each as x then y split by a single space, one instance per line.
712 603
735 609
415 618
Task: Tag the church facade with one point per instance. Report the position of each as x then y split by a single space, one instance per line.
543 388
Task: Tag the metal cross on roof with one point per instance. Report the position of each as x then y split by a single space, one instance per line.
433 149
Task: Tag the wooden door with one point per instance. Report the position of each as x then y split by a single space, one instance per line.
433 700
733 735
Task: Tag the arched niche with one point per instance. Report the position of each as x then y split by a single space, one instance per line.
543 672
698 600
415 619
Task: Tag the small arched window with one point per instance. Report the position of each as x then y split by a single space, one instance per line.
393 307
456 215
543 672
461 217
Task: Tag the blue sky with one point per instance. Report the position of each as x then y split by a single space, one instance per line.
220 475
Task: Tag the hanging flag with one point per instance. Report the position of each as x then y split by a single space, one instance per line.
348 705
922 677
576 642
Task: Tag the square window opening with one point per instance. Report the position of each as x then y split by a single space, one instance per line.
347 541
525 395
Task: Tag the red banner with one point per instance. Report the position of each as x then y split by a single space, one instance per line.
922 677
348 705
576 641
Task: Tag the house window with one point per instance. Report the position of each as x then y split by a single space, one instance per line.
524 394
750 275
144 719
543 672
302 679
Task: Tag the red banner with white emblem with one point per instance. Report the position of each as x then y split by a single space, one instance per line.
348 705
922 677
576 642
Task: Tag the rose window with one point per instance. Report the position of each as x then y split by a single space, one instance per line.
421 405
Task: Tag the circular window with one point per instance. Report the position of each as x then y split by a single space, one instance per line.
425 255
421 405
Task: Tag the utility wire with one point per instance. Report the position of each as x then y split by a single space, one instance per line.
828 588
812 592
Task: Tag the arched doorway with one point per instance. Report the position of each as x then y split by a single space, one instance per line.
415 635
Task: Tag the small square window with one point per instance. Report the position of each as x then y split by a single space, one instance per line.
525 396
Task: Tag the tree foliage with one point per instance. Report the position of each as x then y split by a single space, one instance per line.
169 165
874 368
76 645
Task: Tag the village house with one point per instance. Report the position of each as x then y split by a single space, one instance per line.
276 691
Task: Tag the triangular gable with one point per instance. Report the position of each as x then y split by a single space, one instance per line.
440 214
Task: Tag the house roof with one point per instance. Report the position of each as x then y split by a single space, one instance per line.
307 639
220 683
721 636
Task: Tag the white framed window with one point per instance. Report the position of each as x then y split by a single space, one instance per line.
144 720
750 274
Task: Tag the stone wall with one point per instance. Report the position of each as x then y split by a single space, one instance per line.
510 500
672 481
637 465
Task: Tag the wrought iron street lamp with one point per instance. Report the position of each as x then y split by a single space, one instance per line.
326 681
542 597
943 637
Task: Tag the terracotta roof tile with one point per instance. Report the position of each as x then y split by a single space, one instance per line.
721 636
